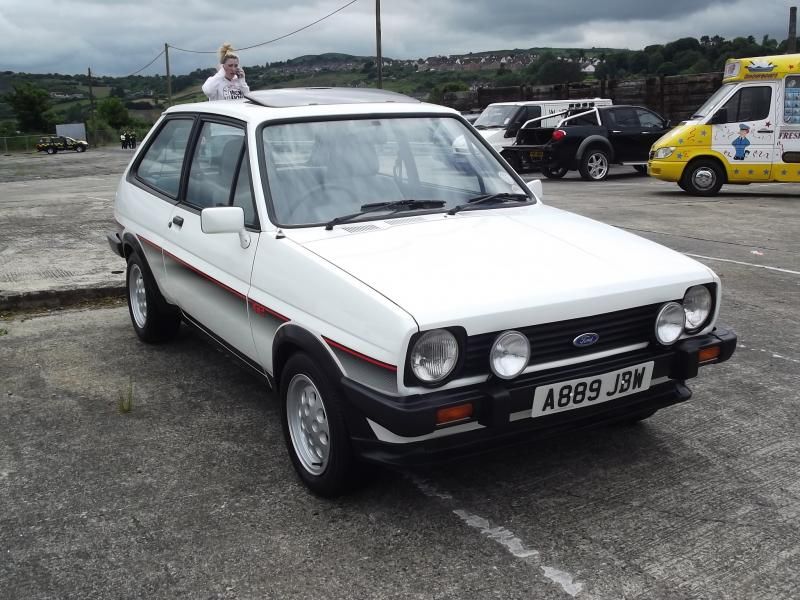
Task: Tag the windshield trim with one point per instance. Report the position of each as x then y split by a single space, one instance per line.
262 163
718 96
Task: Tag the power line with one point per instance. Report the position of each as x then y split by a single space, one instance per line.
147 65
341 8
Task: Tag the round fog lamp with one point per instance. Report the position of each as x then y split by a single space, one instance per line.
697 306
509 354
669 323
434 356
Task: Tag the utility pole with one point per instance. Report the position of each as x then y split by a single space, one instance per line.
378 40
791 43
91 110
169 78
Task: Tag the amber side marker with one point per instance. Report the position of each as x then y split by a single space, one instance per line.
453 413
708 354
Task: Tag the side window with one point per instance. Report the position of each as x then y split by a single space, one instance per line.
649 120
216 157
243 194
625 118
160 167
749 104
791 101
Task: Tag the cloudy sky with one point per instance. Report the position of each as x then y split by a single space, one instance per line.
119 37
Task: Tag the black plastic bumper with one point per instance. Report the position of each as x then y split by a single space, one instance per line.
495 401
115 242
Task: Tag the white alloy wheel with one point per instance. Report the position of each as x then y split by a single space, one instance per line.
597 165
137 295
307 420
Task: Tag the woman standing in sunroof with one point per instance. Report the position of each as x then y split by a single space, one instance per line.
228 82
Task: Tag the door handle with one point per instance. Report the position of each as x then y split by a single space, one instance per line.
766 131
177 220
615 131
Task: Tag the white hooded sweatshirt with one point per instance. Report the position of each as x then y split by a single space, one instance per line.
217 87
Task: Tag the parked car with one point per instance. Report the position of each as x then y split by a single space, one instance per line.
56 143
500 121
403 308
589 142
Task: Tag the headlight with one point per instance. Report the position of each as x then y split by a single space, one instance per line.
509 355
669 323
434 355
665 152
697 306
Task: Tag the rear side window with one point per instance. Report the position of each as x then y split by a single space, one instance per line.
160 167
749 104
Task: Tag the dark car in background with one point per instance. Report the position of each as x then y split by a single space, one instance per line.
60 143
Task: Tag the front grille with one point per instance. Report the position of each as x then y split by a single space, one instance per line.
553 341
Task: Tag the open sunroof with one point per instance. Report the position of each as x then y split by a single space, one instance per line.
286 97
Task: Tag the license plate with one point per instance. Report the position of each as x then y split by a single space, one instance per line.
536 154
577 393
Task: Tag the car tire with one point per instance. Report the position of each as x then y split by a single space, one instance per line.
641 169
80 149
702 178
554 173
51 150
314 429
594 165
154 320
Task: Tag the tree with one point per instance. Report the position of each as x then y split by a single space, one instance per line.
113 112
29 104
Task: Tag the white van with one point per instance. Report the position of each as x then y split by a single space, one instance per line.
502 120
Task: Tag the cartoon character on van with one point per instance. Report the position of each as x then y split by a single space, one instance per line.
741 143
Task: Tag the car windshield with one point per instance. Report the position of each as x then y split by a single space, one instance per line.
712 102
495 116
317 172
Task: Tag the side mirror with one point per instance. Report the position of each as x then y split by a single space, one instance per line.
512 130
535 185
667 124
225 219
721 116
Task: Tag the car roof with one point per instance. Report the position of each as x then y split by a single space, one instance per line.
291 103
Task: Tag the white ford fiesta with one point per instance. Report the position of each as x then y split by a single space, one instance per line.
406 302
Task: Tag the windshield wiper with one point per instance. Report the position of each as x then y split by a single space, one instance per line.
396 206
487 198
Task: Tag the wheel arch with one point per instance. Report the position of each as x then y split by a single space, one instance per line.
292 338
707 157
595 141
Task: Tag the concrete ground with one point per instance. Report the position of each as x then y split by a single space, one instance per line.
190 494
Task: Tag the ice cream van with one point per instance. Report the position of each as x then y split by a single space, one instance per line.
748 131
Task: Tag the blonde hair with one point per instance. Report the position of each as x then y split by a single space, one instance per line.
226 52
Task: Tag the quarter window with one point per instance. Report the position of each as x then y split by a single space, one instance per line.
161 165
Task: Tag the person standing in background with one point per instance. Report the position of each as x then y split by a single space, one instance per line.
228 82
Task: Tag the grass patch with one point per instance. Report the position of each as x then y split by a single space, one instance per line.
3 331
125 399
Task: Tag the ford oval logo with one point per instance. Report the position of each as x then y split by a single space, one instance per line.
585 339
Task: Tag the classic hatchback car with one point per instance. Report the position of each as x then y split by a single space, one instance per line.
406 306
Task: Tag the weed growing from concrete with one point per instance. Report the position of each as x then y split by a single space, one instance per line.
125 401
3 331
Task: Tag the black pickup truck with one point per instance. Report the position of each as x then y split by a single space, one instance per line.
588 141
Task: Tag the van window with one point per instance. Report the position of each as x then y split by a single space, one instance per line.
791 101
749 104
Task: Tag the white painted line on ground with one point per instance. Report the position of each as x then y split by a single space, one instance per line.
771 352
103 199
747 264
505 538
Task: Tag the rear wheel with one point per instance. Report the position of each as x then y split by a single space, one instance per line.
702 178
594 165
154 320
556 173
314 429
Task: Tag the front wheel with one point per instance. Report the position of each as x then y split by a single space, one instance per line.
702 178
51 150
80 149
314 429
594 165
153 319
641 169
556 173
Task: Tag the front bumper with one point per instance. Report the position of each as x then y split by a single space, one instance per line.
665 170
404 432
